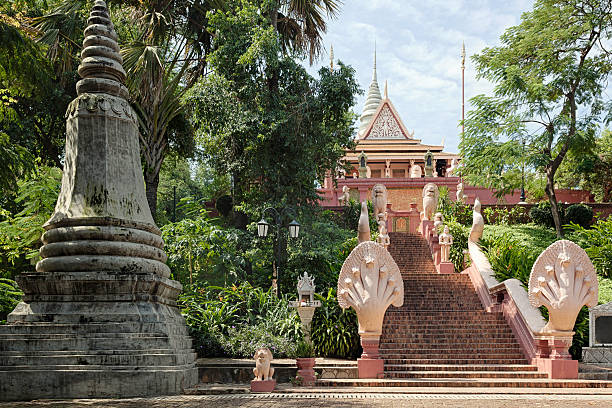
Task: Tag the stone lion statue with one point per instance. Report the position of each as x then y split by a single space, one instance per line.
262 370
345 197
379 199
430 200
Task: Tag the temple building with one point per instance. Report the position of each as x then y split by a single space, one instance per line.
387 152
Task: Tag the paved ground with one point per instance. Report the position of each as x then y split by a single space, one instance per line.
390 400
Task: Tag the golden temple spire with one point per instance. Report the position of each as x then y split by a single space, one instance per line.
331 58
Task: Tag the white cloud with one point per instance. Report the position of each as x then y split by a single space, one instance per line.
419 46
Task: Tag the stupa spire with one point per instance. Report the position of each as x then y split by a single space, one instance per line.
331 57
101 67
372 101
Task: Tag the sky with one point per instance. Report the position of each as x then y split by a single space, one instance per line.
419 53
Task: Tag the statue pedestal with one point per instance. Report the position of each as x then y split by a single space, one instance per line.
553 356
370 365
446 267
263 386
426 227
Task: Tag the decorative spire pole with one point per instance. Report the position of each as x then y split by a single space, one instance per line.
331 58
101 291
462 88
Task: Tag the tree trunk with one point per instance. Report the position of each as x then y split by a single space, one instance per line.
552 198
151 184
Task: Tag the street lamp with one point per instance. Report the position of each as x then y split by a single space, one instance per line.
262 231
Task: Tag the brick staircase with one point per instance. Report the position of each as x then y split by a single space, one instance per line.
441 336
442 331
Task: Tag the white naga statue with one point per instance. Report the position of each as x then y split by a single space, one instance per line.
345 197
369 282
363 227
563 280
477 223
460 195
415 170
263 371
430 200
452 167
445 240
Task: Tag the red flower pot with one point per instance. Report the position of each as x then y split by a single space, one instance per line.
305 367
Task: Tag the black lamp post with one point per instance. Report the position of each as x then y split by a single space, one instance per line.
262 232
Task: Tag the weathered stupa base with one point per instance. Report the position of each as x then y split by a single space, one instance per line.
99 316
79 349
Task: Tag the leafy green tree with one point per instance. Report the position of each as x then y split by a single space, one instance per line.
591 170
549 74
276 142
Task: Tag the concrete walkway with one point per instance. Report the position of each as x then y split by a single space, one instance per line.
286 395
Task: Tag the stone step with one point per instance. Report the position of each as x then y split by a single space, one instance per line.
460 367
96 367
11 353
93 328
467 382
139 359
69 343
464 374
443 360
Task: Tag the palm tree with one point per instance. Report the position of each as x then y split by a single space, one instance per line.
301 24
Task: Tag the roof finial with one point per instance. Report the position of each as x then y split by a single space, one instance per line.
331 57
374 79
101 67
386 93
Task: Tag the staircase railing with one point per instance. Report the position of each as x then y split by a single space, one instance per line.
510 298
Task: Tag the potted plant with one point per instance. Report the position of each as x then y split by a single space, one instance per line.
305 361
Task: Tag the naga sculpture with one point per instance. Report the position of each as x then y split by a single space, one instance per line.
363 228
563 280
369 282
477 223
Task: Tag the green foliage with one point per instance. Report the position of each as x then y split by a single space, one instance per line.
460 235
234 321
304 350
541 214
605 290
199 251
597 242
224 205
580 214
502 216
334 331
20 232
454 210
10 295
262 118
242 342
549 95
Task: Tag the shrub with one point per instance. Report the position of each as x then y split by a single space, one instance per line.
502 216
453 210
541 214
597 242
224 205
304 350
460 237
216 315
579 214
334 331
242 342
10 295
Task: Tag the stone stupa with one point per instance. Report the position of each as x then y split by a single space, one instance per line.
99 316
